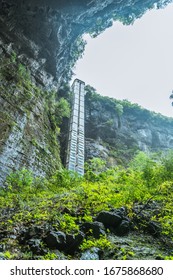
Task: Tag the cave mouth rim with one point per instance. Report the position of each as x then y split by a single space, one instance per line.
86 36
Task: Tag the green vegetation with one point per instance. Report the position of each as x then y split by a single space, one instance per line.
126 15
66 200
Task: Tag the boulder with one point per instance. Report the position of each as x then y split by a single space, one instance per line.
55 240
95 228
29 233
122 211
109 219
123 228
73 241
35 246
154 228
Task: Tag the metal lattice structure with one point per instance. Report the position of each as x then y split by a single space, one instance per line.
75 150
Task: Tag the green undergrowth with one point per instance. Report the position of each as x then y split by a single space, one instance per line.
66 200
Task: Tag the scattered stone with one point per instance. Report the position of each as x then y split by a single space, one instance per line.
109 219
122 211
1 248
154 228
35 246
123 228
24 236
60 255
55 240
94 228
2 257
91 254
73 242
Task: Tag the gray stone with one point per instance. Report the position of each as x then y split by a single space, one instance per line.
94 228
154 228
109 219
35 246
56 240
2 256
91 254
123 228
73 241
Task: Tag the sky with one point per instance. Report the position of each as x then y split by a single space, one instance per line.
133 62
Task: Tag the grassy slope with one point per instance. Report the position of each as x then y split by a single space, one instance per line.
65 200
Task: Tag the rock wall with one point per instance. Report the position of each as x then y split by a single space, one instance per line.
49 31
27 138
116 137
46 36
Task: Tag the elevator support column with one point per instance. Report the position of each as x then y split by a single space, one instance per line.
75 151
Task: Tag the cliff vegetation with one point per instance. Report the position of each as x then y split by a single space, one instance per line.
117 129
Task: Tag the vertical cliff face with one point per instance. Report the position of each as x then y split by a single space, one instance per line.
27 136
46 39
115 135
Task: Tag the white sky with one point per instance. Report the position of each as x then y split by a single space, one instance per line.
133 62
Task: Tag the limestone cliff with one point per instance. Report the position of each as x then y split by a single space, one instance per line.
115 136
49 31
46 38
27 136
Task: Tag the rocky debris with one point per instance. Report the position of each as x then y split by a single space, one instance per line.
94 228
144 215
91 254
116 221
154 228
68 243
109 219
114 224
2 256
31 233
123 228
36 246
55 240
73 241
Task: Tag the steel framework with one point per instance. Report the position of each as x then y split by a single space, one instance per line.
75 150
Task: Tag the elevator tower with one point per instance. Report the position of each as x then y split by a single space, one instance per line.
75 150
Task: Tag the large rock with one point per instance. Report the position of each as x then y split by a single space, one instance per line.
109 219
123 228
36 246
154 228
55 240
73 241
35 232
95 228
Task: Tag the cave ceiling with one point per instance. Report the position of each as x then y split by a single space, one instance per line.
49 30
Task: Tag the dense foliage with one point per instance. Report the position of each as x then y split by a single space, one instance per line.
66 200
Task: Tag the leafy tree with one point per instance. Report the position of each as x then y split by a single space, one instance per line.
119 110
62 110
167 162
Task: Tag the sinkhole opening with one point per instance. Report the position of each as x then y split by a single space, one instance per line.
133 62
